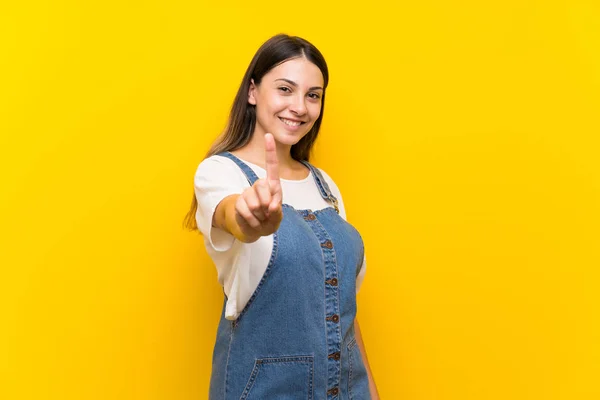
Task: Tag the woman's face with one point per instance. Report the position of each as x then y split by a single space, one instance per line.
288 100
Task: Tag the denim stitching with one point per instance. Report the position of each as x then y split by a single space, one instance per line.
337 292
308 210
362 251
325 312
308 360
250 383
352 343
321 182
324 183
250 175
228 353
283 359
322 210
263 279
316 176
312 376
351 347
322 229
350 363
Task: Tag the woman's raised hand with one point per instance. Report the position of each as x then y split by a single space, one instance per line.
258 208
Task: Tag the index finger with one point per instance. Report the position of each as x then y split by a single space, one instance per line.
272 164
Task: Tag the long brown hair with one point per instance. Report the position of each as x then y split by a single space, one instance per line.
242 117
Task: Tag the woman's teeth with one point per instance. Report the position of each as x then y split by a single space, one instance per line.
290 123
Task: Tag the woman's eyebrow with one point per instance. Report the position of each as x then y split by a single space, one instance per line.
296 85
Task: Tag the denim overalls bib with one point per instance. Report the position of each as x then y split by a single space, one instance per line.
295 338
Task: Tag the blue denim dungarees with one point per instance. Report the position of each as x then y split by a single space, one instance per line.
295 337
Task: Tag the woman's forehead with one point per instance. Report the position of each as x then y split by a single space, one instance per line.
299 70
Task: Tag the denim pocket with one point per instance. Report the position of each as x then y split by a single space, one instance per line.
285 378
358 380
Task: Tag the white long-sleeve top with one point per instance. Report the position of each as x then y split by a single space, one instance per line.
240 266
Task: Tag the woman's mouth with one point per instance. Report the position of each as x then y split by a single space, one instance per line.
290 123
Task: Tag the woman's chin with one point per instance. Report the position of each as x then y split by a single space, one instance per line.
287 138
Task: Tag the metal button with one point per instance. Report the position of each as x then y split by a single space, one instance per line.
333 391
310 217
335 356
327 244
335 318
332 282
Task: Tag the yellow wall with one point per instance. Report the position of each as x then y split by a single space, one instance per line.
463 135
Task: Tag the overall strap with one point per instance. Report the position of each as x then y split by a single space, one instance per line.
250 175
322 185
319 180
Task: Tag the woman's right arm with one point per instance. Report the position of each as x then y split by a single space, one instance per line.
224 218
257 211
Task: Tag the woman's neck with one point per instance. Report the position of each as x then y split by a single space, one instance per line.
254 152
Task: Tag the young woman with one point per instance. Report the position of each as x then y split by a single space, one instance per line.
274 225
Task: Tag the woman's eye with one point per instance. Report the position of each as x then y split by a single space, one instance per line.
314 96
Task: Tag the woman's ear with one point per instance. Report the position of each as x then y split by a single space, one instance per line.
252 93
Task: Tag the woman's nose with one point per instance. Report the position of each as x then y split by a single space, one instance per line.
298 106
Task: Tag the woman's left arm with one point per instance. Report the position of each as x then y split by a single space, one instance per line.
363 352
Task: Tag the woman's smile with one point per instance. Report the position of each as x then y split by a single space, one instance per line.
291 125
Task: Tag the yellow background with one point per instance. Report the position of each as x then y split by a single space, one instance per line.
464 138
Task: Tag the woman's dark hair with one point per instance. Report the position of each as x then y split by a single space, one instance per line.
242 118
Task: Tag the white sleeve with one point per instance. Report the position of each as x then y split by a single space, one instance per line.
336 192
361 274
216 179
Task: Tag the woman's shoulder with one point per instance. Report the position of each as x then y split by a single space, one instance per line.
219 169
216 160
332 185
216 164
335 190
